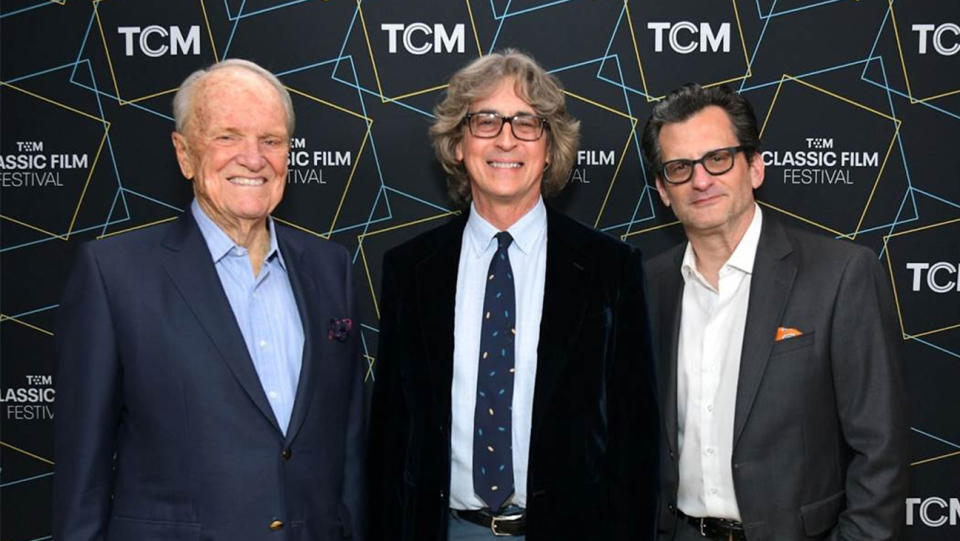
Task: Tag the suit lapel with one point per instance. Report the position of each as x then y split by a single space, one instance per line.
770 285
192 272
436 282
669 286
565 296
313 343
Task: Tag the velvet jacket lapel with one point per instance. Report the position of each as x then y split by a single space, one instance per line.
565 295
565 298
191 269
436 293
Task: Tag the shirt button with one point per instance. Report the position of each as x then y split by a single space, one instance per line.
710 407
272 394
286 454
713 491
710 450
276 525
263 343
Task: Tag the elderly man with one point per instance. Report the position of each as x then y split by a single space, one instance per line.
779 357
514 391
209 385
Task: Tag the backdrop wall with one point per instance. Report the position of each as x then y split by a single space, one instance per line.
859 101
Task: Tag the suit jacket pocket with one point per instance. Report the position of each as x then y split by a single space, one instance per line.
820 516
128 528
791 344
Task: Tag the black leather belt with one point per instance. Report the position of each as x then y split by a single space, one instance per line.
500 525
720 529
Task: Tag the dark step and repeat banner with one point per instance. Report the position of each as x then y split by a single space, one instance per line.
859 103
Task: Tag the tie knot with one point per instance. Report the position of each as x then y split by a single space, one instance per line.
503 240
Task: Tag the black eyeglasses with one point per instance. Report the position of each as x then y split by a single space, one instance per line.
525 127
715 162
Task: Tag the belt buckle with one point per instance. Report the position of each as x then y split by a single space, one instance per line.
497 519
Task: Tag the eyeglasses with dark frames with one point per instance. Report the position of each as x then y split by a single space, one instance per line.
716 162
487 125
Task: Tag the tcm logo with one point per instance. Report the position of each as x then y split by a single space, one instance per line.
934 512
157 41
416 38
686 37
941 276
935 34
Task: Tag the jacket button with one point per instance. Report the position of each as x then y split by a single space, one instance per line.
276 525
670 507
736 466
443 494
286 454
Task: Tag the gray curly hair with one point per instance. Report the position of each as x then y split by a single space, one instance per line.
534 85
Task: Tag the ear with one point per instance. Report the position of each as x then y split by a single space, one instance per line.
458 150
756 171
183 154
664 194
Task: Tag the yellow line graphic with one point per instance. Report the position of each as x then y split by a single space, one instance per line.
933 459
4 317
28 453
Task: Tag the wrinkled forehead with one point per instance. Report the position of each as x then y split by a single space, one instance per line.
231 88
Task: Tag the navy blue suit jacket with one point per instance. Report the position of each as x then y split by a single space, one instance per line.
163 430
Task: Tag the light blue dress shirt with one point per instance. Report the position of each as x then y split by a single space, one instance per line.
528 259
265 309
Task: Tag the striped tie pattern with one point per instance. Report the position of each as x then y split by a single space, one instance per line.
492 449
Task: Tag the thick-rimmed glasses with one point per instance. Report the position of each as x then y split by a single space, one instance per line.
525 127
715 162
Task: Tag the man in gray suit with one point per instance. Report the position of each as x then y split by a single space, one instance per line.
780 369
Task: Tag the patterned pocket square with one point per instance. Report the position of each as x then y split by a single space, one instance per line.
339 329
784 333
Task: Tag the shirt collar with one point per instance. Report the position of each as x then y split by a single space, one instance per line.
220 244
525 231
743 255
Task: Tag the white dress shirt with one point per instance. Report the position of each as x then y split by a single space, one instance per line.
712 324
528 259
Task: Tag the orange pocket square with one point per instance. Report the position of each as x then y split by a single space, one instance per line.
786 332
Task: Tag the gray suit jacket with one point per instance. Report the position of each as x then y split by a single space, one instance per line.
819 428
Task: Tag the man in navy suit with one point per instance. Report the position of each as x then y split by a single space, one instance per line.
209 384
517 400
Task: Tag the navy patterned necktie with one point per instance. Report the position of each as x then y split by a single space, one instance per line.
492 443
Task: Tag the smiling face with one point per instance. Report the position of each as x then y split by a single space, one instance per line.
235 148
709 203
504 171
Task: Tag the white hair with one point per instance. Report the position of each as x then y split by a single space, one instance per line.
183 99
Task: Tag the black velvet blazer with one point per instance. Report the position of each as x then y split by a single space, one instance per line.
593 449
